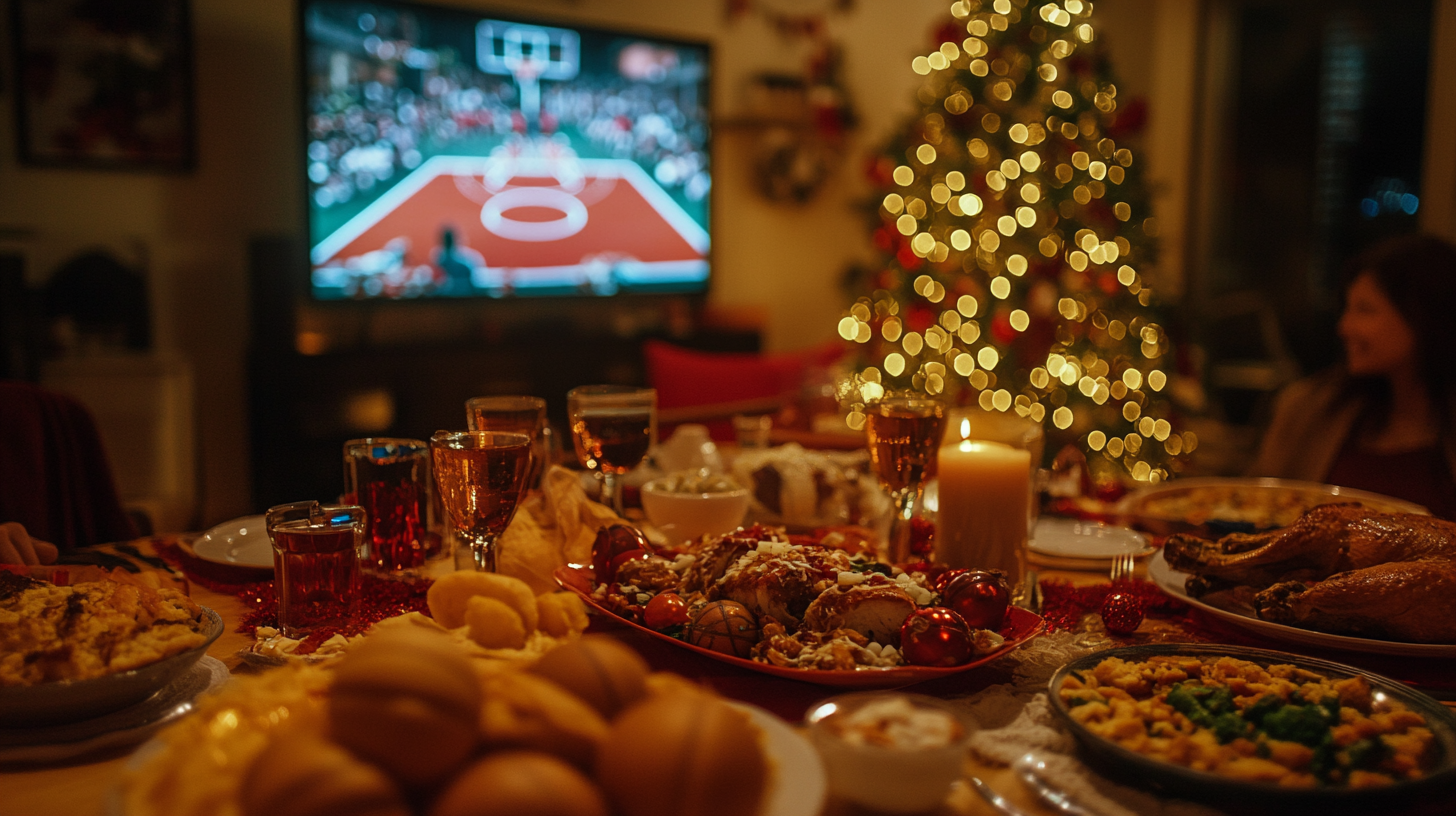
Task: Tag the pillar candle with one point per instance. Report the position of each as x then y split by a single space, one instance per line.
984 496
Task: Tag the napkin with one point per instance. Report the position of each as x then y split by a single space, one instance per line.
552 530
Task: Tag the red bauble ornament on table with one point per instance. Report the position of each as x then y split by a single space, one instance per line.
724 626
935 636
1122 612
612 541
979 596
665 610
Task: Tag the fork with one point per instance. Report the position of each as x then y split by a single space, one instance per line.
1124 565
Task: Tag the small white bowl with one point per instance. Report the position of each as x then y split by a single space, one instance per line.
911 777
687 516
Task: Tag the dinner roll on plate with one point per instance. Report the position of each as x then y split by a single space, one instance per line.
408 701
520 783
684 754
298 774
599 670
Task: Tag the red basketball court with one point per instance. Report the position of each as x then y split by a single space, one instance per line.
531 222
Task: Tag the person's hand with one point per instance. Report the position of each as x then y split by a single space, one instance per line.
17 547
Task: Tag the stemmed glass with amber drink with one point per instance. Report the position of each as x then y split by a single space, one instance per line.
904 437
480 476
612 426
514 414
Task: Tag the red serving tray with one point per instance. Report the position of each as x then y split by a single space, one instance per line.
1019 627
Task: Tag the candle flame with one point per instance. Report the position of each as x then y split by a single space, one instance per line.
965 429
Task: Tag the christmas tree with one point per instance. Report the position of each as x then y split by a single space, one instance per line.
1017 242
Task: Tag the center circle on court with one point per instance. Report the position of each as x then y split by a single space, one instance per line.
573 214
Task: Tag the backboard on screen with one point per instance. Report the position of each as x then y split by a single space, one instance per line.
454 154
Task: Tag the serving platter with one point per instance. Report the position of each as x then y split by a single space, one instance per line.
1020 626
1201 785
1173 582
1215 506
798 786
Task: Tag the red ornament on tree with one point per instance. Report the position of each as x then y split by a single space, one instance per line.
935 636
1122 612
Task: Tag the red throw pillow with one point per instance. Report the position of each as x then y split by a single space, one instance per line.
684 377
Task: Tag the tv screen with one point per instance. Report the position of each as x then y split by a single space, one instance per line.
453 154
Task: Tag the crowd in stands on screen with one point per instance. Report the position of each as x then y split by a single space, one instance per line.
367 127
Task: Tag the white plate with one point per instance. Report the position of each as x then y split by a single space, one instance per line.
125 727
1172 581
1075 538
797 786
241 542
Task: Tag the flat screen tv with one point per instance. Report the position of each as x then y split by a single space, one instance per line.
459 154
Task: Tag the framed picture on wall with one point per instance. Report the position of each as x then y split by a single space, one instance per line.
103 85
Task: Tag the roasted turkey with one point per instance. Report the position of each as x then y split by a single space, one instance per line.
1341 568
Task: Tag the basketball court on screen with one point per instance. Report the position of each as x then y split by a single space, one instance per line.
532 222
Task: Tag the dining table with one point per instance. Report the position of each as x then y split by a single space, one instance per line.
85 786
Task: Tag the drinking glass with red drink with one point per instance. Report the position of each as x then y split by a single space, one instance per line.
316 563
514 414
904 436
612 427
390 479
480 476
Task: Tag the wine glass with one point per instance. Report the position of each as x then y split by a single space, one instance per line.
514 414
612 426
480 476
904 436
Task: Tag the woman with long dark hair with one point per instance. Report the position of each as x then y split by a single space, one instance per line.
1385 420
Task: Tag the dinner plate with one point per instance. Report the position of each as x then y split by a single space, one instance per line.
798 785
1215 506
1200 785
128 726
1020 626
1078 538
1172 582
241 542
64 701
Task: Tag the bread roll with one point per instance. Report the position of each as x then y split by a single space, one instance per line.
299 774
599 670
687 754
562 614
520 783
526 711
408 701
493 624
449 596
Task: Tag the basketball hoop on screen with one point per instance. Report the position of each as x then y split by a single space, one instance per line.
529 54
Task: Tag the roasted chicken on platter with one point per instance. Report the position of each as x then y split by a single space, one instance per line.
1341 568
794 601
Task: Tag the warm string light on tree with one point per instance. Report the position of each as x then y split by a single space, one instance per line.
1017 242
